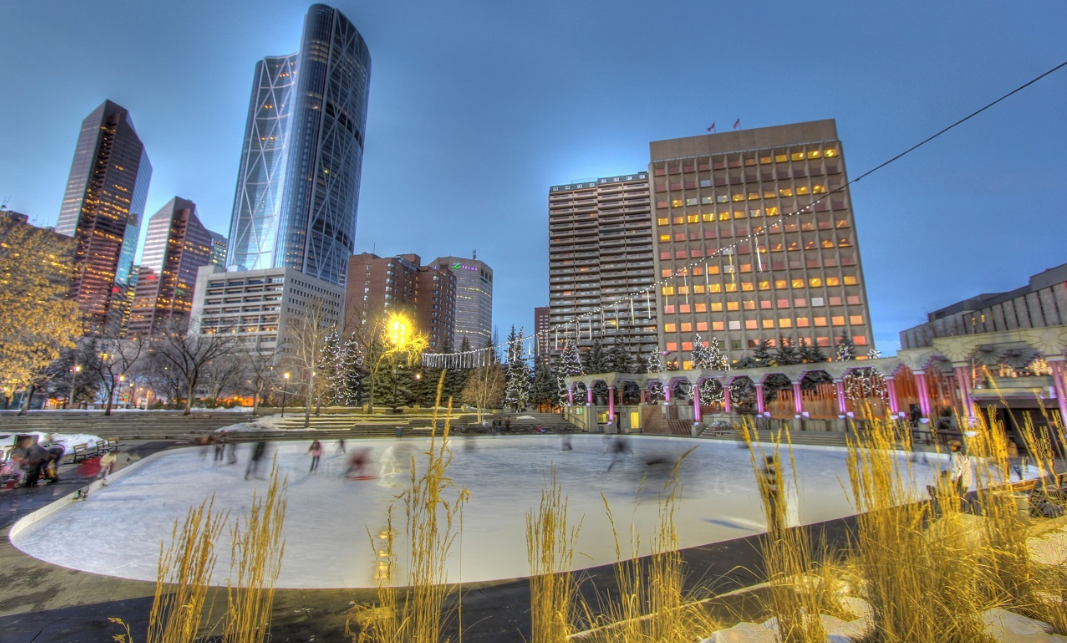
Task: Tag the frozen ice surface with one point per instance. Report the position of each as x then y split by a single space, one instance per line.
330 518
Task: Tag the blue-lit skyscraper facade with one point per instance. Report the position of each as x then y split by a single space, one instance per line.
298 185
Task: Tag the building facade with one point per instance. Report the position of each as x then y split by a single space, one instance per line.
474 300
102 210
802 279
262 306
600 252
176 246
1041 303
298 183
402 284
542 324
218 249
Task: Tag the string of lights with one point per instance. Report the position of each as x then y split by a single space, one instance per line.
477 357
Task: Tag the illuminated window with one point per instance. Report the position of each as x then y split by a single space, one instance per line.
662 221
683 308
833 281
844 243
733 305
687 327
859 340
797 156
718 325
707 199
668 309
781 283
670 328
683 290
753 196
747 286
698 289
672 346
731 287
693 218
830 152
749 304
679 219
853 300
818 189
716 307
820 321
765 285
687 346
687 364
700 308
666 272
785 191
739 197
785 322
855 319
814 154
724 216
708 216
768 323
837 320
810 245
722 198
680 236
714 288
765 160
665 238
802 322
765 304
691 201
780 158
746 267
815 282
668 290
850 281
735 325
798 283
769 194
713 270
676 203
751 324
828 243
772 211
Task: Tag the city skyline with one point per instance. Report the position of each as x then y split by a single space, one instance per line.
966 184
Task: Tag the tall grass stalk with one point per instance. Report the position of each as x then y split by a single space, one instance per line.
183 575
257 552
550 545
433 507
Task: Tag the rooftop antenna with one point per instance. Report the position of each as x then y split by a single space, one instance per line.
475 253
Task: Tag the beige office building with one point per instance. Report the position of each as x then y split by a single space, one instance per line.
801 280
601 251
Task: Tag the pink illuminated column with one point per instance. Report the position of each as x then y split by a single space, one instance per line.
611 404
761 405
570 395
924 393
1059 369
842 403
667 392
963 378
797 401
696 403
891 391
727 403
589 395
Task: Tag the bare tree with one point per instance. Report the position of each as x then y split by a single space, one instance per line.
187 354
485 388
222 373
116 358
257 362
305 339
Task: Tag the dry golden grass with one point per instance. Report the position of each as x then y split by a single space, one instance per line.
257 552
550 547
433 507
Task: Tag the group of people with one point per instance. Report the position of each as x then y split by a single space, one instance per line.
28 463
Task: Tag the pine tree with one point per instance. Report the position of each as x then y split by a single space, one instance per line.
327 373
720 361
654 363
702 357
517 375
786 353
762 354
846 350
597 359
544 389
620 359
570 364
354 373
811 353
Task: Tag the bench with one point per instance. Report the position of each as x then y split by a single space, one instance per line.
84 451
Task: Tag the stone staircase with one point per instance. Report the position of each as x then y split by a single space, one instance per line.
654 422
809 438
145 425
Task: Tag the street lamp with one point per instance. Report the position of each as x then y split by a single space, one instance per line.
396 331
285 388
73 379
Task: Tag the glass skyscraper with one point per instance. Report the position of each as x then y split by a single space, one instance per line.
298 184
102 209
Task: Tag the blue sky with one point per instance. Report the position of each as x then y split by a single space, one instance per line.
477 107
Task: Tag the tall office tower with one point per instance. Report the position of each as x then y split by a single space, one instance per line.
474 300
102 209
802 281
542 323
402 284
218 249
298 183
600 252
175 248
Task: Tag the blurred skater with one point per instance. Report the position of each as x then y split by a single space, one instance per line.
316 452
231 453
31 458
107 462
55 456
357 465
258 452
220 449
619 447
341 445
566 444
388 466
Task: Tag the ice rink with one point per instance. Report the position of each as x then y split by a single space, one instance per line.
119 529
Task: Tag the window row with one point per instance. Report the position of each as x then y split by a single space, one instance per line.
824 262
748 160
736 344
766 304
751 195
764 324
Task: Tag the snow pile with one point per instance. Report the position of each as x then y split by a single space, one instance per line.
267 423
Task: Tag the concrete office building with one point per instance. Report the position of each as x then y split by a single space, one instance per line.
474 300
102 210
806 282
1042 302
402 284
176 246
262 306
542 323
298 182
600 251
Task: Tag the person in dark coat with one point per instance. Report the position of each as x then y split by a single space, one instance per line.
258 453
32 459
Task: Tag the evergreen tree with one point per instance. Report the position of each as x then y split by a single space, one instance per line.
354 370
654 363
846 350
811 353
702 358
570 364
620 360
720 361
786 353
597 360
327 372
544 389
517 375
762 354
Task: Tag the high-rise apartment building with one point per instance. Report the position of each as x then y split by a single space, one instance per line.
802 279
474 300
542 324
102 210
298 184
600 252
176 246
218 249
402 284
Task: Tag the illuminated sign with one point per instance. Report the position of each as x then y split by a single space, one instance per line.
459 266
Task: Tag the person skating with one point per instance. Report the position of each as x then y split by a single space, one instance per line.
316 452
962 472
253 462
107 462
357 465
31 458
619 447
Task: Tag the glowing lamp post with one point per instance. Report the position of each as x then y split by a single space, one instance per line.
285 389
